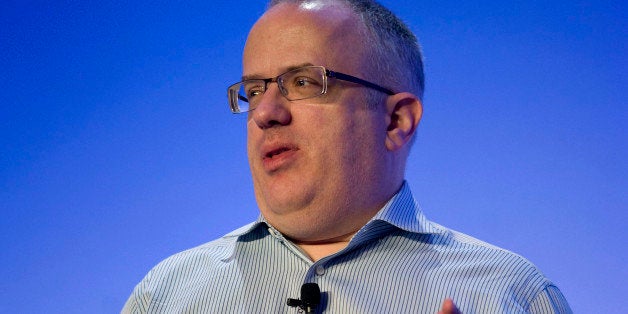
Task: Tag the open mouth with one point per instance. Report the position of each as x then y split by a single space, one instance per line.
276 152
279 157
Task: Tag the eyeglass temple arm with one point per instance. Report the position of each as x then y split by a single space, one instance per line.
353 79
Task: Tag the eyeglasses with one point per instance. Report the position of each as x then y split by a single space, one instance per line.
301 83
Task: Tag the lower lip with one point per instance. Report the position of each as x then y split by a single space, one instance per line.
279 161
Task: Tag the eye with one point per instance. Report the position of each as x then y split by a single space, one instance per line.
251 90
304 81
301 81
254 92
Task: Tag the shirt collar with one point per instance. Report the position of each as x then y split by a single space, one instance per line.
246 228
404 212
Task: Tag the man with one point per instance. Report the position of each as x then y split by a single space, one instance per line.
332 90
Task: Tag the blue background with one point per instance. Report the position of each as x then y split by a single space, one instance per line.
117 148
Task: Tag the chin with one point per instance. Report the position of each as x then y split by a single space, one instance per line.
285 194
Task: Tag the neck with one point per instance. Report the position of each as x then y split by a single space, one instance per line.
319 249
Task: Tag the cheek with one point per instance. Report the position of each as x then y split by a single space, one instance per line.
251 138
365 140
349 140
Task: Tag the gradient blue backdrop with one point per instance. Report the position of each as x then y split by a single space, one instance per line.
117 147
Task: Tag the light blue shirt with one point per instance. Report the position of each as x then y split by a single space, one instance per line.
399 262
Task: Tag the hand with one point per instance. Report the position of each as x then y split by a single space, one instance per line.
449 307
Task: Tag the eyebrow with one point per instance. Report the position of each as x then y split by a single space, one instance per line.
286 69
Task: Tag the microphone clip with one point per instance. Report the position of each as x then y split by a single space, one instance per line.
306 308
310 297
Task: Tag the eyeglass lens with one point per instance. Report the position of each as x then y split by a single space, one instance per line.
301 83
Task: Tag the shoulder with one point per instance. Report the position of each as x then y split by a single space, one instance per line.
487 265
205 256
469 250
198 264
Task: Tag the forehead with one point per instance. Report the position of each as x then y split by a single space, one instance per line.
289 35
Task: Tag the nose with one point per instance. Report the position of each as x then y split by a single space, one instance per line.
272 110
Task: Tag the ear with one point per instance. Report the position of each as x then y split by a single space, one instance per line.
404 111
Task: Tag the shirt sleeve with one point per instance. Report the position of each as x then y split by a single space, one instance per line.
132 306
139 300
550 300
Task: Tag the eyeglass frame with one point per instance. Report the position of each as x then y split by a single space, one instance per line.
233 100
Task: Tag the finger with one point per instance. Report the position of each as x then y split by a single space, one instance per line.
449 307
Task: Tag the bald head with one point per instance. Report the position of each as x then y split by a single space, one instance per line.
329 28
394 50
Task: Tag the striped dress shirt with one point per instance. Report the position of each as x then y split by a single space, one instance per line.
399 262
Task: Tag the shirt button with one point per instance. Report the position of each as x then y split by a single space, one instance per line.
320 270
